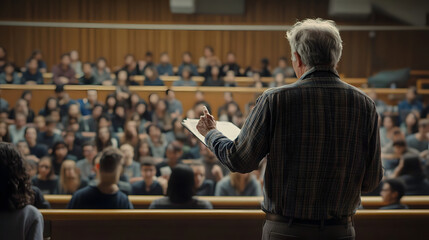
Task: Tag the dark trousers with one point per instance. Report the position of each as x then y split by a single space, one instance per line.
282 231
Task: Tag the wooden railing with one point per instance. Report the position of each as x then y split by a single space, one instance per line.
143 202
214 224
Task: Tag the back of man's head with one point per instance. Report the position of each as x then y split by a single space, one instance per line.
317 42
111 159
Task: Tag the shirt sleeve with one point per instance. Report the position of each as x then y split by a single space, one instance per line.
250 147
373 170
36 229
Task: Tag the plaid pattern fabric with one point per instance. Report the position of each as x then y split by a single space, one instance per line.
321 139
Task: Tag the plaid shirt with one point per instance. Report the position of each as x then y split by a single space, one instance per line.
321 139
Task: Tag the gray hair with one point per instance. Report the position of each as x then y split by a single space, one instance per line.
317 42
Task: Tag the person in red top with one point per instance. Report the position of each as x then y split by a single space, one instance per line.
63 73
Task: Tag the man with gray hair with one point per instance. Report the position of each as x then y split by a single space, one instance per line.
321 139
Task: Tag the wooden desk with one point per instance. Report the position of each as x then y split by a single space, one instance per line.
215 224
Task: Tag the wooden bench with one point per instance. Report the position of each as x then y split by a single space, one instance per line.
143 202
214 95
214 224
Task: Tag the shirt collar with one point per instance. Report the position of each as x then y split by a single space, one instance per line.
319 68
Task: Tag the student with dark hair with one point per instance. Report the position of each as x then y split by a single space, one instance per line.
203 186
45 180
185 78
187 63
9 76
41 65
106 194
32 75
265 68
101 73
60 153
118 119
391 193
88 76
181 192
18 219
51 104
151 77
147 186
63 73
411 124
49 136
410 171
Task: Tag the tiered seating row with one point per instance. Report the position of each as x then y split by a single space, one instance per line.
213 95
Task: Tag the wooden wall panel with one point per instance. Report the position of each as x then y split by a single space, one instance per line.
362 55
158 11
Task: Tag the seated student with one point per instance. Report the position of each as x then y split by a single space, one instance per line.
51 104
106 194
391 193
41 65
101 72
123 184
165 68
60 153
237 184
131 167
205 187
410 171
283 68
17 130
148 186
22 107
411 103
214 78
157 140
265 67
4 132
63 73
151 77
88 77
85 165
49 136
420 139
187 63
39 150
185 79
257 81
70 180
230 65
32 75
229 79
89 124
9 76
45 180
173 154
180 192
18 219
75 63
278 81
214 170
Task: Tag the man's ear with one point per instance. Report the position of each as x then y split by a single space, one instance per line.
298 59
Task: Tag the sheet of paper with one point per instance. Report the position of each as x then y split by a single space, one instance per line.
226 128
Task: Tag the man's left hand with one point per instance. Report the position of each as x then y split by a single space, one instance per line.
206 123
